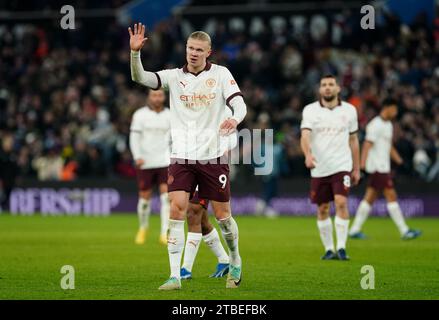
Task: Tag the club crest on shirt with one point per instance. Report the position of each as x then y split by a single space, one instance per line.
210 82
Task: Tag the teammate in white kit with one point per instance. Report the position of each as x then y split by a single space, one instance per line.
377 153
150 147
199 93
330 144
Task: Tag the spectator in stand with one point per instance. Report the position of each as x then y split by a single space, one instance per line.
9 170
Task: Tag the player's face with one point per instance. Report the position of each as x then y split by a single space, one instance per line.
8 143
156 98
197 51
392 112
329 89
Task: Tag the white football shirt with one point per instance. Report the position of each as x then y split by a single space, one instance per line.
154 128
330 130
198 103
380 133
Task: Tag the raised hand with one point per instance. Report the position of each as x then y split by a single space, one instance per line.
137 38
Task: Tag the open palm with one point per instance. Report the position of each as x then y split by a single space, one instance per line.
137 38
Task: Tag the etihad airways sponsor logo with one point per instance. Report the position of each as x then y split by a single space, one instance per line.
331 131
197 99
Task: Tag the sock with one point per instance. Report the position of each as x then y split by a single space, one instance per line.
397 217
361 216
165 209
190 251
143 212
325 229
229 230
214 243
175 246
341 231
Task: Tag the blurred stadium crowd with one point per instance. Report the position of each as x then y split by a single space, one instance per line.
66 97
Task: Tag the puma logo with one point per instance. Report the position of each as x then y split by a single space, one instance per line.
194 243
172 241
183 84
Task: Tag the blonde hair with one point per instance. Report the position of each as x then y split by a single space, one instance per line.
201 35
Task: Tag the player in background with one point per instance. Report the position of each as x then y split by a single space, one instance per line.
330 144
150 147
199 93
376 156
199 225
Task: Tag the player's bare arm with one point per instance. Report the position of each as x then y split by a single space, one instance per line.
305 143
355 149
395 156
367 145
138 74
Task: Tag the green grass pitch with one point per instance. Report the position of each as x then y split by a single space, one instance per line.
281 260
